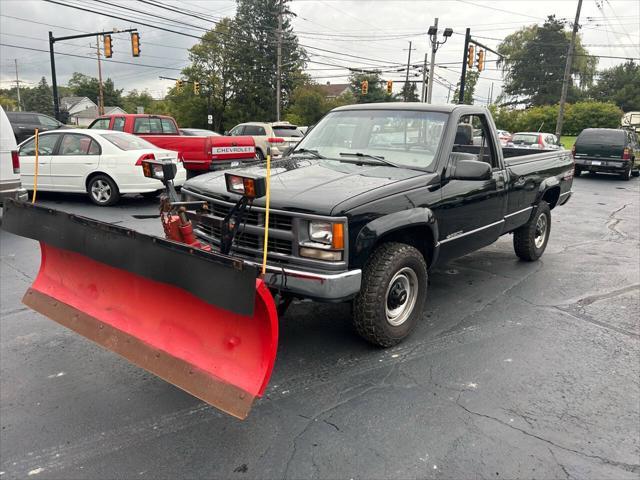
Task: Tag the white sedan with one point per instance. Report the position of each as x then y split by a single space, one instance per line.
102 163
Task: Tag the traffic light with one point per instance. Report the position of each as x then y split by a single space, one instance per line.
196 88
470 57
480 61
179 86
108 51
135 44
389 87
364 86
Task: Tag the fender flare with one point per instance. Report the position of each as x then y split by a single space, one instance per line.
546 185
374 230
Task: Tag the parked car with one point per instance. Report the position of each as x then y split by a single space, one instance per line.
10 186
537 140
504 137
102 163
24 124
280 136
199 132
199 153
607 150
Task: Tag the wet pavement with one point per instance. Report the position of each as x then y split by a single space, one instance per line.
518 369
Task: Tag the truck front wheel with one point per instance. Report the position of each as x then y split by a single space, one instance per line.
392 296
530 240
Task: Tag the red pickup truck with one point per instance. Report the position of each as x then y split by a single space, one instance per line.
199 153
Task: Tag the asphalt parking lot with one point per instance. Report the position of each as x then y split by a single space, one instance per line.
517 370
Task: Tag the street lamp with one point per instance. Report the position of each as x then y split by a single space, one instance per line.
435 44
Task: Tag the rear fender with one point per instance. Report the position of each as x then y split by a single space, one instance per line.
394 223
549 187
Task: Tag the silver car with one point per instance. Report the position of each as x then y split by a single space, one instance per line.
280 136
538 140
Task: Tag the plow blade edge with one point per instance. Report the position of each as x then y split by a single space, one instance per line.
201 321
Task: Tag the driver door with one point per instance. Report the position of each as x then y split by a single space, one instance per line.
471 212
46 147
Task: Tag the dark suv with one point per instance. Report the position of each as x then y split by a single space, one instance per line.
24 124
607 150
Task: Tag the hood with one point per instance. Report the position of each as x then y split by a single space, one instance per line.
315 186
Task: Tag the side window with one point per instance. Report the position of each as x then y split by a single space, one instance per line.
237 131
46 144
118 124
168 126
481 137
47 122
74 144
254 130
101 124
260 131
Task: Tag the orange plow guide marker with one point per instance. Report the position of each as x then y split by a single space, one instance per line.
162 321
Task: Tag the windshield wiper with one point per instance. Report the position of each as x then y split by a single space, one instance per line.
377 158
314 153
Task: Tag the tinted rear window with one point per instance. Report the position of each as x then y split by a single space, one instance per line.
287 132
596 137
525 139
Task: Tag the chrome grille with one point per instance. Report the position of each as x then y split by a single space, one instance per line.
248 240
253 217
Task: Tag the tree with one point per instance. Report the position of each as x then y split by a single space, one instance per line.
85 86
308 105
38 99
470 83
534 60
252 68
620 85
135 99
409 92
376 90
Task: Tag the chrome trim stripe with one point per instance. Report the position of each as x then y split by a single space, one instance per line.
471 232
518 212
321 277
566 193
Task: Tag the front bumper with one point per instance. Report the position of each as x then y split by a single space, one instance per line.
602 165
323 287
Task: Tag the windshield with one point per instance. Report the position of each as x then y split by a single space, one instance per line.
125 141
406 138
525 138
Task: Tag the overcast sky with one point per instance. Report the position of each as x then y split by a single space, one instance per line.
379 30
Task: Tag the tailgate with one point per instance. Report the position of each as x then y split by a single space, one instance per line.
232 148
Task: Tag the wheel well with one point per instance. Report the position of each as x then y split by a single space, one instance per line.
93 175
419 236
551 196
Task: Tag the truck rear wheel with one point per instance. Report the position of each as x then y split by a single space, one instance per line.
391 300
530 240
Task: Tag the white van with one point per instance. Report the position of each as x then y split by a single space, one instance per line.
10 186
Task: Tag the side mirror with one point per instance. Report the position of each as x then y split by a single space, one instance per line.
471 170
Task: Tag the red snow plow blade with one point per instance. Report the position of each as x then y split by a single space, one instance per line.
201 321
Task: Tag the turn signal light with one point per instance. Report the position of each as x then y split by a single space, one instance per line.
338 236
249 187
626 154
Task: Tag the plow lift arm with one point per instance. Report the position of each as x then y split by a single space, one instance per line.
202 320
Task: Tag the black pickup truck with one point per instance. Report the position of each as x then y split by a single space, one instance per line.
376 195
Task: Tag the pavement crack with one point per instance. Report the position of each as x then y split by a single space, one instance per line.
562 467
634 468
613 221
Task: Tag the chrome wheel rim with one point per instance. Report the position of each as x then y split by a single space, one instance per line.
101 191
541 230
401 296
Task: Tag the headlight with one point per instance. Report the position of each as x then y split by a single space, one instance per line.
326 241
321 232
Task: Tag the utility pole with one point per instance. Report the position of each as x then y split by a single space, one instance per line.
18 85
567 71
406 81
467 39
423 96
434 48
101 97
279 62
491 94
449 94
54 82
